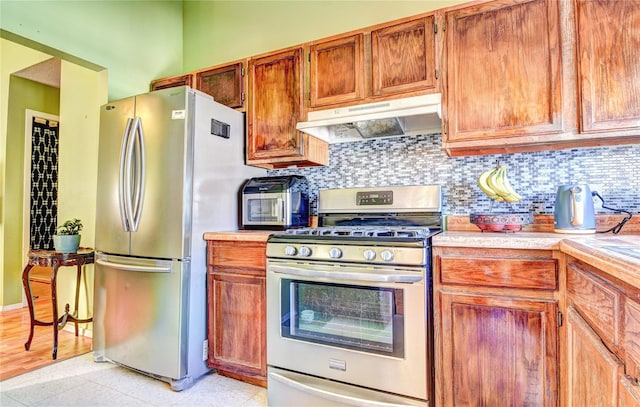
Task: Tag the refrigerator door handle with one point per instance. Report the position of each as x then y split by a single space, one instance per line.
128 177
129 267
139 184
122 191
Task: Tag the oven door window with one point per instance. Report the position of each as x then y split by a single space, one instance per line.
265 209
368 319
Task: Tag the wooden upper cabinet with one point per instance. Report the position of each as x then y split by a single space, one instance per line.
383 62
172 82
275 106
224 83
608 51
403 57
337 70
504 71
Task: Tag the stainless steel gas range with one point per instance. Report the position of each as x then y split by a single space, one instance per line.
349 310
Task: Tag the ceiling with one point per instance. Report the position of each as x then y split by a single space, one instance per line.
46 72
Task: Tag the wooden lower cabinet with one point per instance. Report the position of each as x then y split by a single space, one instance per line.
236 295
496 327
629 392
592 370
603 336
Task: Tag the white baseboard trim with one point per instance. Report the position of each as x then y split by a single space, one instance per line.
70 327
11 307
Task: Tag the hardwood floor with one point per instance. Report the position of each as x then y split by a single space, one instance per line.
14 332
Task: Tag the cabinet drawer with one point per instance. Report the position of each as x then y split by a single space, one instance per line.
538 274
237 257
596 301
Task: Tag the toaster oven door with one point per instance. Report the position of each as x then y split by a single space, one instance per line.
263 210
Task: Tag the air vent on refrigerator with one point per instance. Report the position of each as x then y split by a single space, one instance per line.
220 129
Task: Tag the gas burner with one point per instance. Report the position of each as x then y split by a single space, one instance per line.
372 231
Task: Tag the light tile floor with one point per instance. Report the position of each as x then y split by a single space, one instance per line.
80 381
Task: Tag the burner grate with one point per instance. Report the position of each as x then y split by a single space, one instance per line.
373 232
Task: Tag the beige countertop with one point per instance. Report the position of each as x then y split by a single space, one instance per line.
598 250
240 235
518 240
603 252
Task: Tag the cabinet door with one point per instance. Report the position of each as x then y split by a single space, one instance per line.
172 82
608 43
597 301
592 370
498 351
237 324
504 71
337 71
224 84
631 337
403 57
275 105
629 392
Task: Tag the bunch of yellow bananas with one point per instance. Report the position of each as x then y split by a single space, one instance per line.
495 184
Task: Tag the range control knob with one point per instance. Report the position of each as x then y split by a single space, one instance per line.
387 255
290 251
305 251
335 253
369 254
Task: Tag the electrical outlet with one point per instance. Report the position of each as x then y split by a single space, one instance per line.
597 203
205 349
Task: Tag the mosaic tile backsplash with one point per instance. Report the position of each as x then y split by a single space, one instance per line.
614 172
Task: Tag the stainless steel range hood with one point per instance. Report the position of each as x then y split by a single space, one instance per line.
408 116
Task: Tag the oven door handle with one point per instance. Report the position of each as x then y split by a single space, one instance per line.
351 400
348 274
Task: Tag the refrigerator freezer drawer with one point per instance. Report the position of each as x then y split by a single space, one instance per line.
138 316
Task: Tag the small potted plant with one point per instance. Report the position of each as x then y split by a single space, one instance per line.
67 238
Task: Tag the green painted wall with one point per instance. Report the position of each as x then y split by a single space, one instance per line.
24 94
220 31
137 41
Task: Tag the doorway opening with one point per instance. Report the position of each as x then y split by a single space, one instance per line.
40 201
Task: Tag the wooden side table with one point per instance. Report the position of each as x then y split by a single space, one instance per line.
55 260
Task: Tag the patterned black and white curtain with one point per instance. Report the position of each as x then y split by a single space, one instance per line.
44 183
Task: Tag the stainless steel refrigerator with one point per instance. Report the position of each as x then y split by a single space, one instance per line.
171 165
